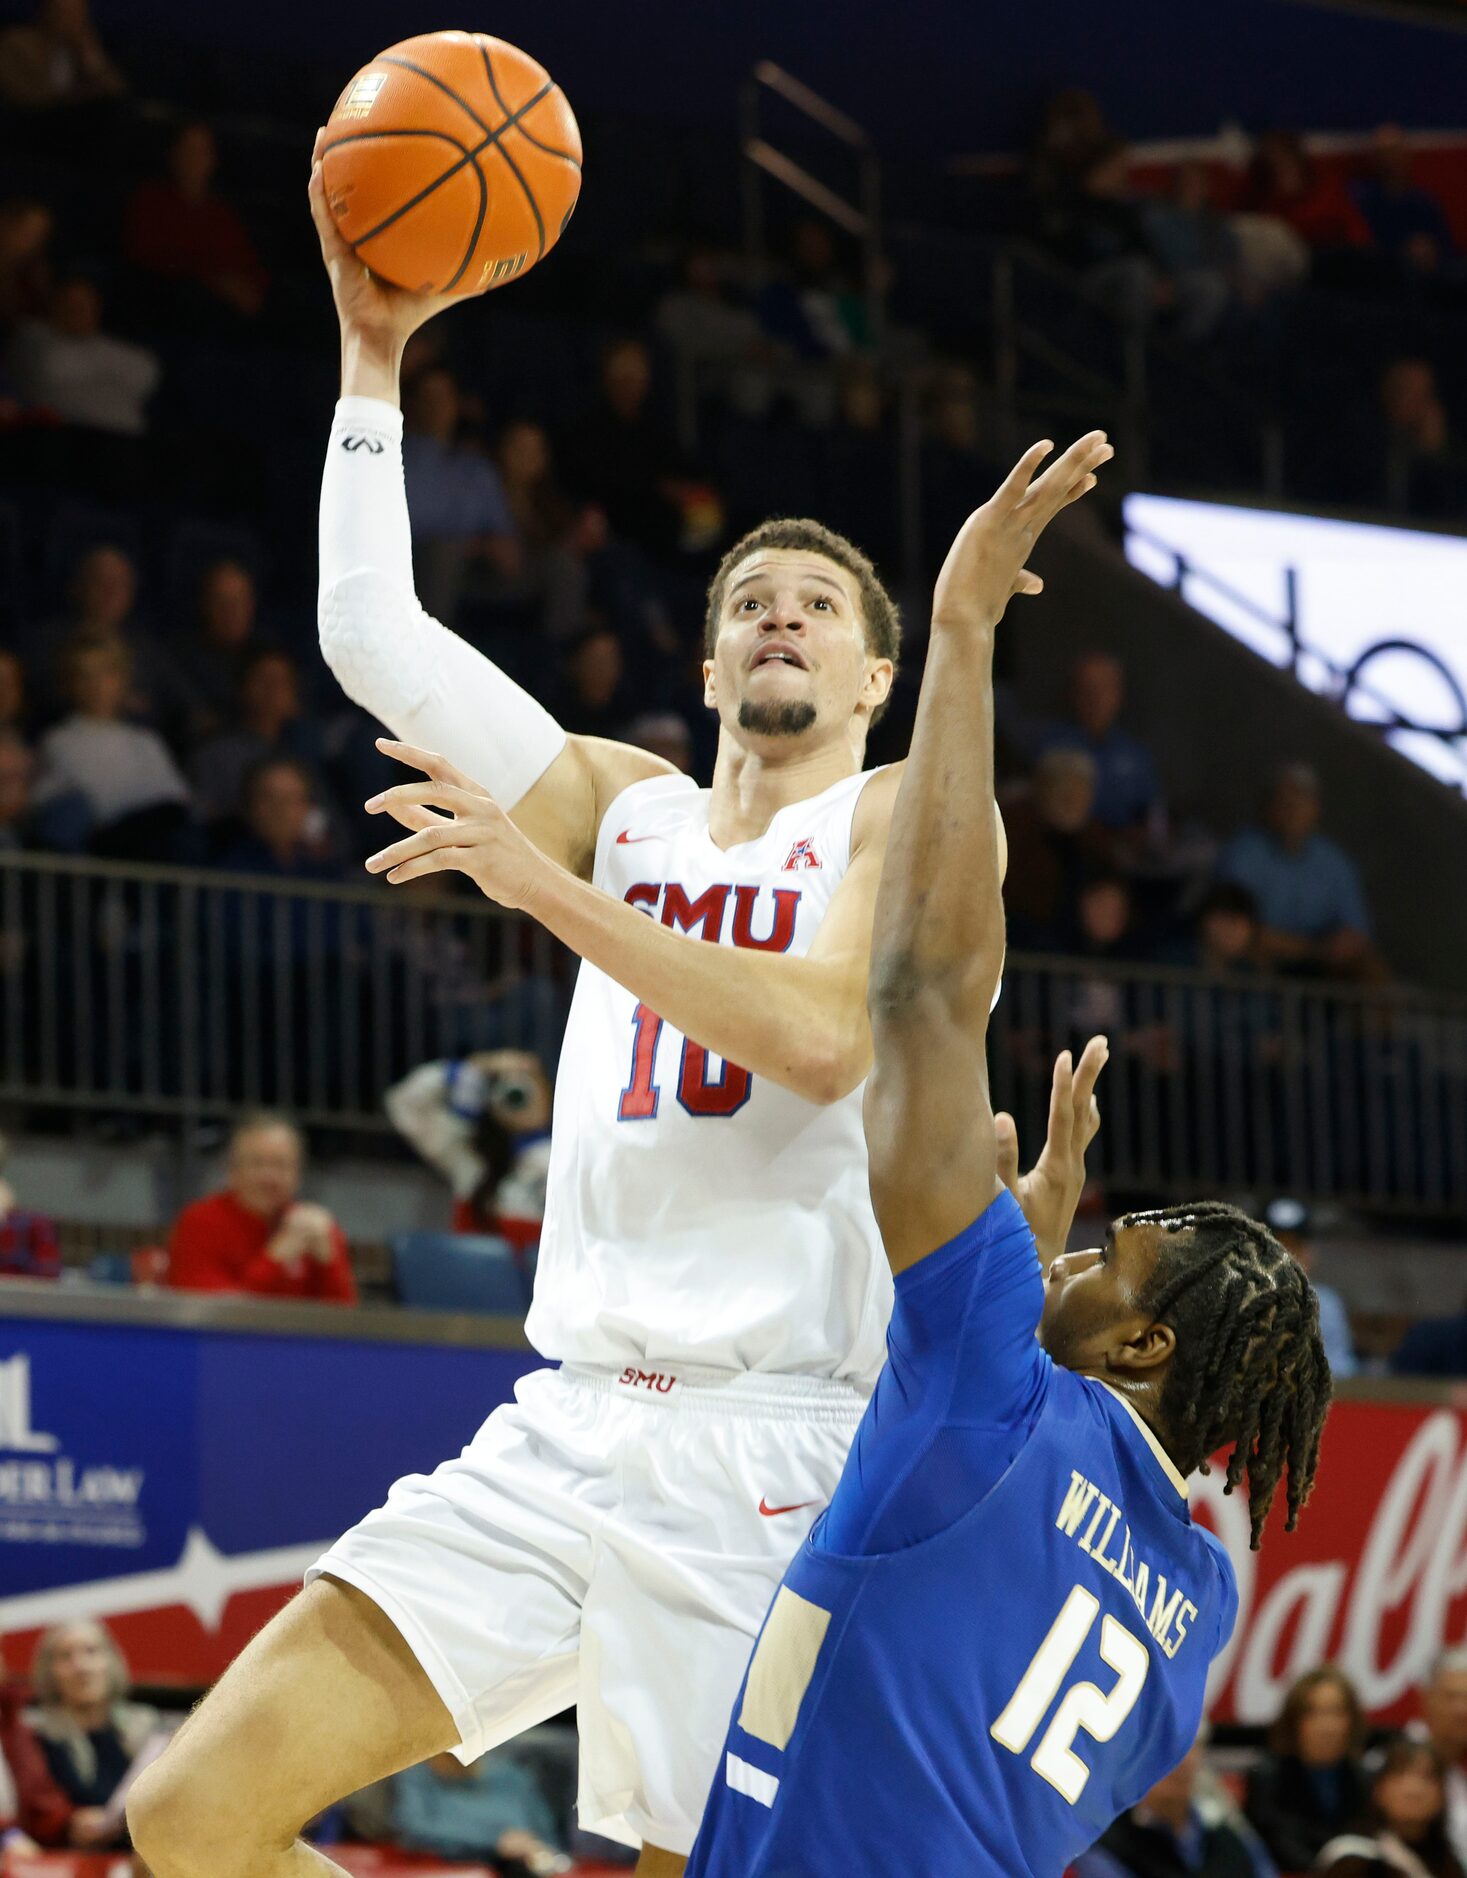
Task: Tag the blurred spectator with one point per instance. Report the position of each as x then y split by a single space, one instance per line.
34 1812
25 267
1225 932
1408 224
12 693
257 1235
1288 1220
594 700
1104 230
29 1247
1072 134
285 827
271 723
1188 235
102 604
1443 1722
180 232
1127 791
710 330
1167 1835
1436 1346
665 734
93 1738
460 521
1106 928
1425 464
66 364
59 59
17 770
625 460
212 659
1284 182
555 539
484 1123
490 1809
1311 908
1405 1828
122 771
1309 1786
1054 842
813 312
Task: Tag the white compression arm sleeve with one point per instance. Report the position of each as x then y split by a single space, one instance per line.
426 684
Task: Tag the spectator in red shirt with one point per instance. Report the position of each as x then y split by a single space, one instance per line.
180 232
257 1236
34 1812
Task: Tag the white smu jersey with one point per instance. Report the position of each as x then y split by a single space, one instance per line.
697 1214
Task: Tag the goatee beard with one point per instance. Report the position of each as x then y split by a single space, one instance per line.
786 719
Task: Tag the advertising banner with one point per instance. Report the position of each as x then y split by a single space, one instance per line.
176 1483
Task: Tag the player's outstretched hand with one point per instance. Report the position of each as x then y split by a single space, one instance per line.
985 567
364 304
1049 1193
472 835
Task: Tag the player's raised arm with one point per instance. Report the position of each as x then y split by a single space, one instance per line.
938 943
427 685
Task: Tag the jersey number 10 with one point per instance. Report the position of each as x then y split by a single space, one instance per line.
1085 1706
695 1091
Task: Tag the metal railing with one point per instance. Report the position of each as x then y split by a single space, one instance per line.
189 996
192 995
860 216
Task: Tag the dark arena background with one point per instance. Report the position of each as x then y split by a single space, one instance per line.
827 260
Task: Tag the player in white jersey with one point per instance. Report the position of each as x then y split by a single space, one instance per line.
710 1278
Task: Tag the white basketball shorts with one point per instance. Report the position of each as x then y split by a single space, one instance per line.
610 1540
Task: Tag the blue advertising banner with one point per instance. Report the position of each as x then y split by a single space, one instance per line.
176 1482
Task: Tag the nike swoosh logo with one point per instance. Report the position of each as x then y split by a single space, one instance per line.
625 840
772 1512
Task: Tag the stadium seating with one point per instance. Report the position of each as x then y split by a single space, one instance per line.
441 1271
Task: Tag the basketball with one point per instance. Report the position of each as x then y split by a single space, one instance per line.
452 163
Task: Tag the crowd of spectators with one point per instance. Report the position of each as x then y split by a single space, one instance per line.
1318 1791
1321 1797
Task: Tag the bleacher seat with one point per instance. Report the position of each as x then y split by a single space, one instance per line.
445 1271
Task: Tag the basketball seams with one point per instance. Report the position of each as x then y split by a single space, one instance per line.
514 167
371 136
546 148
407 65
478 224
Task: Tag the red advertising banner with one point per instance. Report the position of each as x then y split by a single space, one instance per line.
1374 1579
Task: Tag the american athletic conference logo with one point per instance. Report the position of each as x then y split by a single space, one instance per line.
45 1497
802 854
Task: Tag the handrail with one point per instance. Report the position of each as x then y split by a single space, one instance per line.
860 217
775 78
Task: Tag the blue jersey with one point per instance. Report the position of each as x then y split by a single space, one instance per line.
997 1637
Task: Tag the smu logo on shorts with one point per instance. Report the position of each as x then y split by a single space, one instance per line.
802 854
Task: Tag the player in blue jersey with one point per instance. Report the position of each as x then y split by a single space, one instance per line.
997 1637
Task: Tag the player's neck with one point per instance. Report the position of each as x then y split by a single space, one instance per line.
752 784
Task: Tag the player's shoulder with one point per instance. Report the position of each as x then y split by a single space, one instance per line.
874 805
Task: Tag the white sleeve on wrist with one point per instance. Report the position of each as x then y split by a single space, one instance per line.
426 684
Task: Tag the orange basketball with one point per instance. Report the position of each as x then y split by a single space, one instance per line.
452 163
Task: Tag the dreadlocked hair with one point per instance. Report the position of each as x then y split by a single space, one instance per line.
1250 1367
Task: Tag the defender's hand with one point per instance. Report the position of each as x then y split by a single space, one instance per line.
367 307
474 836
1049 1193
985 567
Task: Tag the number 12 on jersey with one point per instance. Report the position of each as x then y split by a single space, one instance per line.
697 1093
1085 1705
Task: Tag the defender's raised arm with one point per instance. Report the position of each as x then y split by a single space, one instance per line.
939 935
